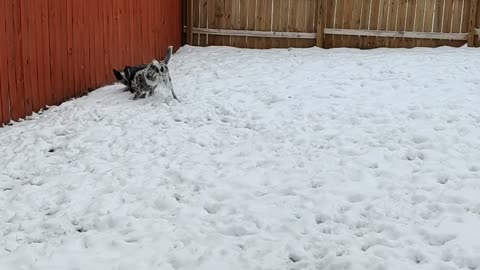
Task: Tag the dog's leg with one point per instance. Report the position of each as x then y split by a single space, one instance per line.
138 94
130 88
170 85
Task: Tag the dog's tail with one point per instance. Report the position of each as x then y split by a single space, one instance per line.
168 55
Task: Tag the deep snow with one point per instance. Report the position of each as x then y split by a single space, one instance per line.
276 159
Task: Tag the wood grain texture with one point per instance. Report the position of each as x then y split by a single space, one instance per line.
308 16
4 70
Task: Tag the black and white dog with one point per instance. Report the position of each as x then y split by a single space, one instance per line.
144 79
126 76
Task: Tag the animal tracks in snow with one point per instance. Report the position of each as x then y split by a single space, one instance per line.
275 159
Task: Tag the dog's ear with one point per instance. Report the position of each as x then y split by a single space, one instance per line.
168 55
118 75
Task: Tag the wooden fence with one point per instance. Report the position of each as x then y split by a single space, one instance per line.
333 23
54 50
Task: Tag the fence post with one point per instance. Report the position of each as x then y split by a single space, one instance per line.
189 22
320 25
471 24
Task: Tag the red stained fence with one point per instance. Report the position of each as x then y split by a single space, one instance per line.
55 50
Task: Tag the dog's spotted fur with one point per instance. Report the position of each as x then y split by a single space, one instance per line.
126 76
143 80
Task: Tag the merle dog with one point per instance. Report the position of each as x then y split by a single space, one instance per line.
126 76
143 79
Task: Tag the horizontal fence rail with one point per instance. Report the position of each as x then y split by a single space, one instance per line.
333 23
54 50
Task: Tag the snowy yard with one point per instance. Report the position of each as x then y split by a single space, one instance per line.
278 159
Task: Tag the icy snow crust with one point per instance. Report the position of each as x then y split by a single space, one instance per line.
276 159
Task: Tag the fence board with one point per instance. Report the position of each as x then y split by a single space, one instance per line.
142 31
193 10
219 21
251 21
364 21
164 11
211 39
428 21
457 16
227 20
203 20
477 25
25 50
15 108
437 20
76 41
38 67
383 21
347 41
170 20
32 18
338 21
311 15
102 42
266 22
63 60
158 28
149 46
419 19
472 22
400 22
72 86
410 19
19 64
238 21
373 22
90 53
47 39
136 33
457 19
57 68
299 20
108 38
4 71
391 21
356 20
329 23
278 22
447 16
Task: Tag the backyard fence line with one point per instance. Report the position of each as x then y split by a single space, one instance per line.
333 23
54 50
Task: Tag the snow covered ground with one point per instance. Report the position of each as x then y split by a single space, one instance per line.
277 159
